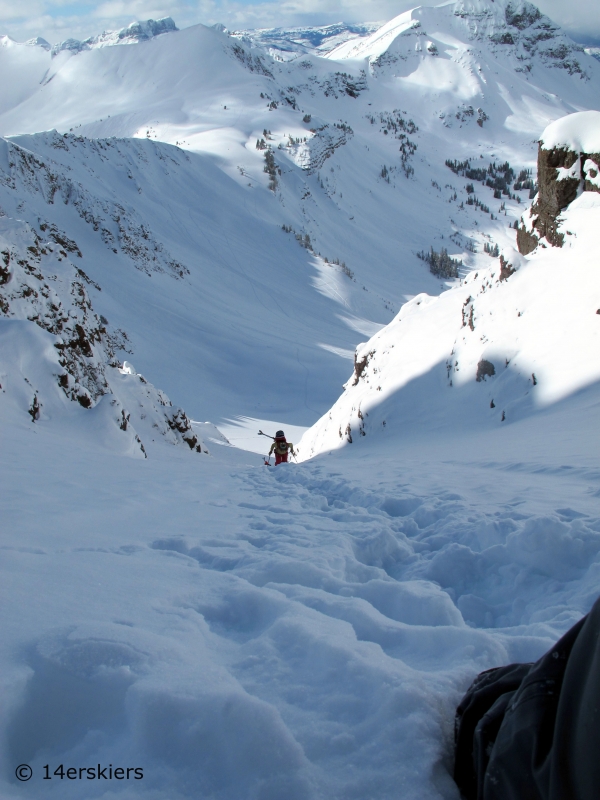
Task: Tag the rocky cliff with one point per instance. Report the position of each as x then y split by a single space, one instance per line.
568 164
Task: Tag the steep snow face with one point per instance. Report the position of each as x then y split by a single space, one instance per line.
509 341
379 41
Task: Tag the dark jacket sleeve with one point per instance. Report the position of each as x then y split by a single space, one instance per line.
478 719
576 759
532 732
523 758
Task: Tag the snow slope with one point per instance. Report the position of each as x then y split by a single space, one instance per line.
57 358
508 341
175 246
423 370
302 632
235 631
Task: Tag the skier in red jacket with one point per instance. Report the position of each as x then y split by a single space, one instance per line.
281 447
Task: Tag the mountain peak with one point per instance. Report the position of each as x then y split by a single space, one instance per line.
7 41
39 42
140 31
515 28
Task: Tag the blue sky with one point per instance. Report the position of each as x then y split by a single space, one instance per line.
56 20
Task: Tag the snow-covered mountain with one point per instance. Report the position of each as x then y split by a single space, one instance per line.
360 157
288 43
517 30
57 350
224 220
133 34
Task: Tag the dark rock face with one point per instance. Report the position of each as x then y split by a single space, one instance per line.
591 172
526 242
554 195
360 366
506 269
485 369
522 17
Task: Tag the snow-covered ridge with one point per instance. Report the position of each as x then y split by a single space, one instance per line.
120 229
38 41
136 32
133 34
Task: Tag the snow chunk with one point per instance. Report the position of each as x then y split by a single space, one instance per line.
127 369
579 132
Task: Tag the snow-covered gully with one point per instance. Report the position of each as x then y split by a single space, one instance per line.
245 217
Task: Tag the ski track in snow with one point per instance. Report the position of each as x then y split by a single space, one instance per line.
250 632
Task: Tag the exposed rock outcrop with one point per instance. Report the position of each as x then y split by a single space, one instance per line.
564 171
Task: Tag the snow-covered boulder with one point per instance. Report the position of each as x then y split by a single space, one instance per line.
568 163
